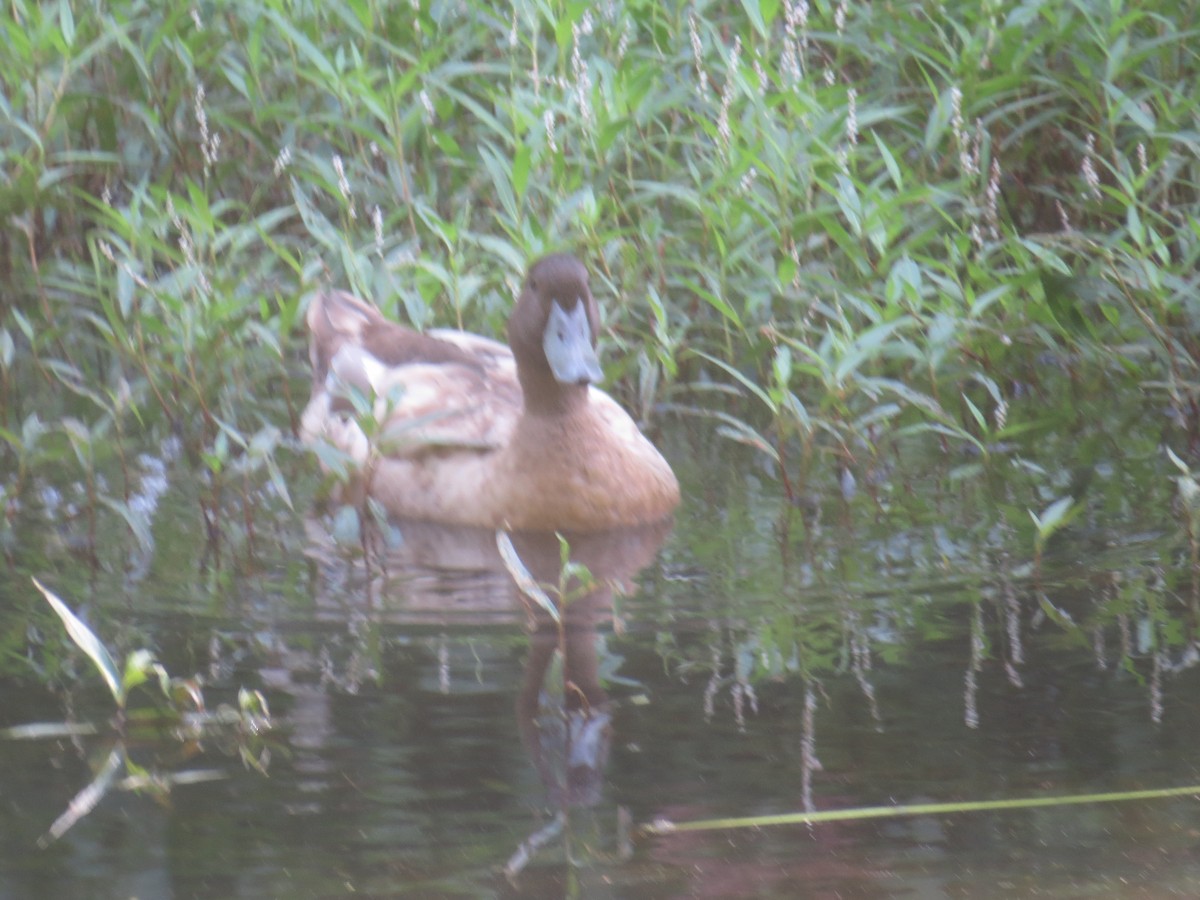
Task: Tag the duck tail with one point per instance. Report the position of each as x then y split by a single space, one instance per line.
336 318
337 313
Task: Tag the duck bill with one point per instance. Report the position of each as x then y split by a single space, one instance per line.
567 343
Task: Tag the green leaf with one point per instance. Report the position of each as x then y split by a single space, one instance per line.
716 302
1046 256
1124 106
785 271
66 21
978 416
520 169
306 48
1178 463
336 460
744 434
850 203
87 641
446 142
139 666
889 161
754 12
868 346
1057 615
138 524
526 583
1054 517
746 382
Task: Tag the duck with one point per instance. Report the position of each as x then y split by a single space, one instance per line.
460 429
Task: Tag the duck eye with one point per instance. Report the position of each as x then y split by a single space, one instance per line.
533 282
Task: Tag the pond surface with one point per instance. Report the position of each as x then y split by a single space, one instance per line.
890 639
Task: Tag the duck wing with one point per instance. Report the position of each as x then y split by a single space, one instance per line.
416 394
427 407
337 320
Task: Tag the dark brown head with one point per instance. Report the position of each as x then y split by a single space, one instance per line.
552 332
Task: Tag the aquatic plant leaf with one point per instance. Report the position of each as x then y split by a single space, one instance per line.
745 381
1189 495
87 641
666 826
337 461
1056 614
525 581
140 666
755 13
139 526
975 413
889 161
161 784
1179 463
531 845
85 801
744 434
573 576
1045 255
37 731
1055 516
253 703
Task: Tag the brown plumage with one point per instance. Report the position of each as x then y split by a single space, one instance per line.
477 434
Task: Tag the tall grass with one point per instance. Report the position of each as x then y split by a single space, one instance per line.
819 224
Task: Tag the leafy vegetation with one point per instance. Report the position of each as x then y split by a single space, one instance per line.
176 718
845 236
858 218
896 250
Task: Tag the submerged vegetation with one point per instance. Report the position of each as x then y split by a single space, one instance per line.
174 722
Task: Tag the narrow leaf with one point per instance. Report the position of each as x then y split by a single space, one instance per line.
87 641
525 581
85 801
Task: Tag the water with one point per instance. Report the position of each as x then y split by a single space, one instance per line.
896 646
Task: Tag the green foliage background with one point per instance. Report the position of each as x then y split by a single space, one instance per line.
814 223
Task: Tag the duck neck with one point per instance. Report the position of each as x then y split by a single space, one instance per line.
546 396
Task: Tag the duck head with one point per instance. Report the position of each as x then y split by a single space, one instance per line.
552 332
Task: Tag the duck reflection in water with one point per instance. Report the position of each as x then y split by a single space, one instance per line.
565 716
457 579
